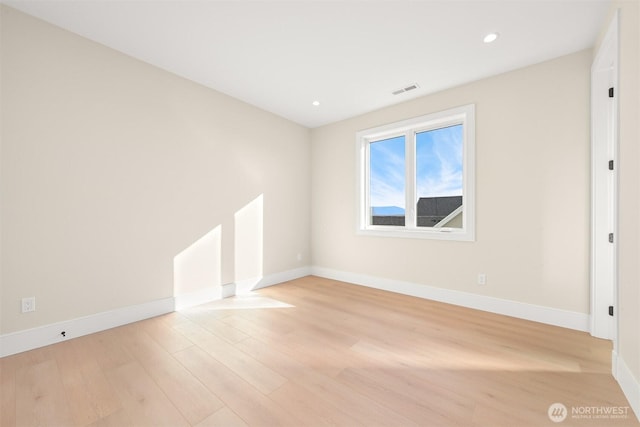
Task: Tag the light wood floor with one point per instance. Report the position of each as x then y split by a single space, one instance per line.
314 352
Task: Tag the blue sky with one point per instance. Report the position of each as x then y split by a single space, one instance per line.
438 166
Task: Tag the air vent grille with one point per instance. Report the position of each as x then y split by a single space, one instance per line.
405 89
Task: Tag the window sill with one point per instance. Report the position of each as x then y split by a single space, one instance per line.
428 234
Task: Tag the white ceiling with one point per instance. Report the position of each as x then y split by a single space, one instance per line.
349 55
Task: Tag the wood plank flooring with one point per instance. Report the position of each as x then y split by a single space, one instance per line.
315 352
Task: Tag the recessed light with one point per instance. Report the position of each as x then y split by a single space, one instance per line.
315 103
491 37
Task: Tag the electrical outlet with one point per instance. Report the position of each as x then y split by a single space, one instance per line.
28 304
482 279
299 257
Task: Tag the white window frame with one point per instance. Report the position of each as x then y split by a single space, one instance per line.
464 115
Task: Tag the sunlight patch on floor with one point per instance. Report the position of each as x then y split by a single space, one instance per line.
245 302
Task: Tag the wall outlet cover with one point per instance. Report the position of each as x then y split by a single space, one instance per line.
28 304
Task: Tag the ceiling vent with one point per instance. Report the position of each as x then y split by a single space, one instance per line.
405 89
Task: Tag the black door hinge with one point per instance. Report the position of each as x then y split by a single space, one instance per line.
610 92
610 165
610 310
610 237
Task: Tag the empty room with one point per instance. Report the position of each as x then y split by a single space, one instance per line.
319 213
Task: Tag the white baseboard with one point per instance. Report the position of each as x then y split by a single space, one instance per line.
228 290
240 287
29 339
628 383
246 286
537 313
20 341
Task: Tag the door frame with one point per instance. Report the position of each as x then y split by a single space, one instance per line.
604 187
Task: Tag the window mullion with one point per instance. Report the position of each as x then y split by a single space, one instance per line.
410 179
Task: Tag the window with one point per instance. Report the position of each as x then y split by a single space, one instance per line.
416 177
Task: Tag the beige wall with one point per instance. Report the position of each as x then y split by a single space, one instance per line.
111 168
629 183
532 191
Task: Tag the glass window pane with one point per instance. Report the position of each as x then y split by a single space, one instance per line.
387 181
439 177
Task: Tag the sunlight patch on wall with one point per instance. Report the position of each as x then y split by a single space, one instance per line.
248 248
198 267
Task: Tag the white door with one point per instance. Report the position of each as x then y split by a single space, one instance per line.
604 134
